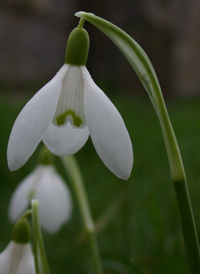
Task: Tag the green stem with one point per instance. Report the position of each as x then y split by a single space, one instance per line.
95 252
73 171
189 230
181 189
145 71
41 263
180 186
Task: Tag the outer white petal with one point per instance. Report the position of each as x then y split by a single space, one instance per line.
26 264
32 122
107 129
17 259
54 200
5 259
64 141
22 195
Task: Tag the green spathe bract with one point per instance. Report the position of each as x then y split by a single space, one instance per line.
77 47
21 232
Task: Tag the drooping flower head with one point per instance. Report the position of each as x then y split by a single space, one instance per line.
66 111
48 187
17 258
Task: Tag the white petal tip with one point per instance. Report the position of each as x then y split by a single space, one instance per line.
125 177
13 167
12 164
125 171
54 227
52 230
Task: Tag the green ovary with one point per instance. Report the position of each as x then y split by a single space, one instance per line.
62 118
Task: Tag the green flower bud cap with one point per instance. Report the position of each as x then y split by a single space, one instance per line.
21 232
77 47
45 157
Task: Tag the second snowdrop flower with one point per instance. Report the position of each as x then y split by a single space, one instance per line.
17 258
66 111
45 185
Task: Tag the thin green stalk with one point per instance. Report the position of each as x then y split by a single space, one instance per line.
145 71
73 171
92 240
189 230
41 263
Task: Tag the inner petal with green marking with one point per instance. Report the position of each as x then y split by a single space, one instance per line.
70 107
77 121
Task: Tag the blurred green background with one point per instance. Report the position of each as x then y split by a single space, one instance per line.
144 234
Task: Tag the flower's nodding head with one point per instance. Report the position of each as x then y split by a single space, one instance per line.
63 114
77 47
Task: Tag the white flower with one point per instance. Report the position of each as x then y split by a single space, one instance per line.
17 259
63 114
45 185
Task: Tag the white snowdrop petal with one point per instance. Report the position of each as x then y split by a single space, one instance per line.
64 141
21 197
54 198
70 107
26 264
32 122
16 256
107 129
5 259
18 259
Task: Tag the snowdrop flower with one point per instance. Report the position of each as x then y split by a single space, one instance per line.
66 111
45 185
17 258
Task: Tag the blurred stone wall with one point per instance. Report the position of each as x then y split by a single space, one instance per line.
33 35
181 20
33 38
